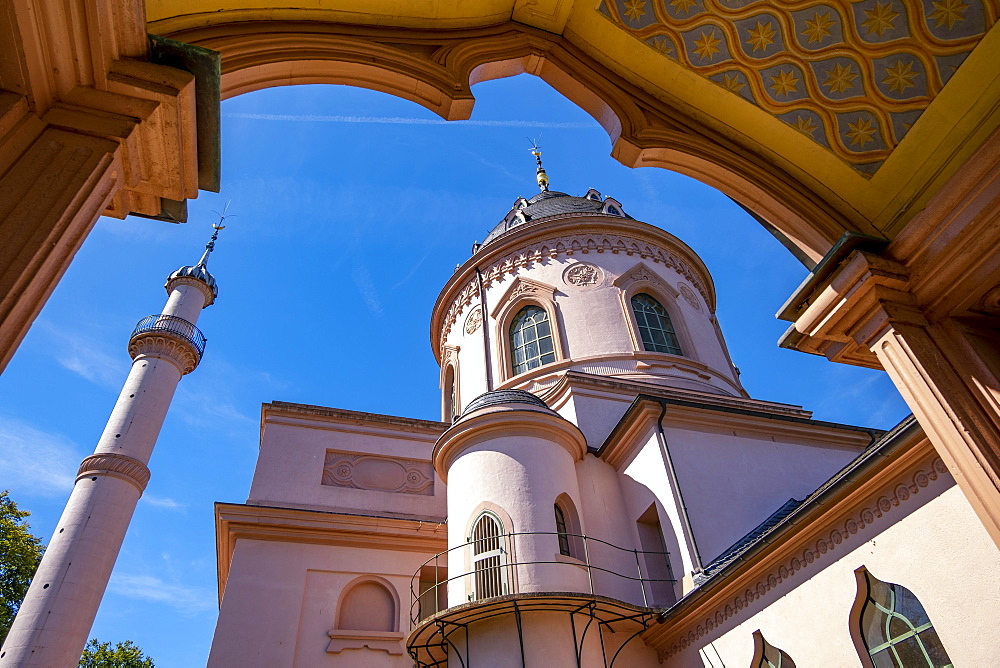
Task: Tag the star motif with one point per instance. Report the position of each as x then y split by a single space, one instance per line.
948 13
900 76
663 45
635 9
805 125
818 27
840 78
761 36
731 82
784 82
880 18
861 132
707 44
682 6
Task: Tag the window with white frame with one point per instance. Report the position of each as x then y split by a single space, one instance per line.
655 329
531 342
488 562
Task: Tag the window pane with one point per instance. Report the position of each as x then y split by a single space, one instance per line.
543 328
655 328
910 653
934 648
884 659
545 345
548 358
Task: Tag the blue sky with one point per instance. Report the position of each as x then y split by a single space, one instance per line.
352 209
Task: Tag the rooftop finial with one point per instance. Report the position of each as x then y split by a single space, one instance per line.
218 227
540 175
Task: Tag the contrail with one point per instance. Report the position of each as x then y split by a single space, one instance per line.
399 120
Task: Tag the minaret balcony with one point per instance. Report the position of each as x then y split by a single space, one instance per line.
531 572
173 328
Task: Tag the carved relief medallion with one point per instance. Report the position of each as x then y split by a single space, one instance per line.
690 296
582 275
474 320
382 474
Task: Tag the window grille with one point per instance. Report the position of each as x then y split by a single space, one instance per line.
561 530
655 328
896 629
531 339
488 560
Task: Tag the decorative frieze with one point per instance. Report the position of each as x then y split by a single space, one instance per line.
378 473
119 466
177 349
816 552
568 246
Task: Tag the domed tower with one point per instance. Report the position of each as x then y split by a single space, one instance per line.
568 284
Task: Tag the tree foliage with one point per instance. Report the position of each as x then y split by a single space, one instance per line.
20 553
123 655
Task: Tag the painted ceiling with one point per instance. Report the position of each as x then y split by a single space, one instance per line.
852 76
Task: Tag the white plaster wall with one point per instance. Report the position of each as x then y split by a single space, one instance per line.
731 482
939 551
521 475
292 455
281 601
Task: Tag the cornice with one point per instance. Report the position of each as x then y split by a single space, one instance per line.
563 235
910 473
165 345
500 422
234 522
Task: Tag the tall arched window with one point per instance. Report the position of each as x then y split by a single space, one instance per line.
896 630
767 655
451 408
488 567
531 339
655 328
562 531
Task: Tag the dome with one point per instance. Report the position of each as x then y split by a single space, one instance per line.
498 397
554 203
198 271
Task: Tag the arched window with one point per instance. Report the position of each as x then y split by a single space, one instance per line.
562 531
896 631
655 328
531 339
489 569
451 408
767 655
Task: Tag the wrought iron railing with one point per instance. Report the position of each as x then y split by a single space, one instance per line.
429 594
171 324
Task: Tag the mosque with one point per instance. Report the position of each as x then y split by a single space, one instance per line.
600 490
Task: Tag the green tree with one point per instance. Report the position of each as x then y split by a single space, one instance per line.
123 655
20 553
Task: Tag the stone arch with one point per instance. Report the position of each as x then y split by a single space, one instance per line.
368 603
437 71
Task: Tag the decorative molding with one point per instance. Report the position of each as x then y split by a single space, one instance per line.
377 473
902 490
567 246
115 465
583 275
386 641
474 320
196 283
523 287
688 294
163 345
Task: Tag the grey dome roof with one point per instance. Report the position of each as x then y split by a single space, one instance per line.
497 397
554 203
198 271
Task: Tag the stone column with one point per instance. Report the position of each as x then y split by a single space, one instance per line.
54 621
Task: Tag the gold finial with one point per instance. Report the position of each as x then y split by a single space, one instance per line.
540 176
210 246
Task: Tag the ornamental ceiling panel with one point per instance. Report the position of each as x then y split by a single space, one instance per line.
852 76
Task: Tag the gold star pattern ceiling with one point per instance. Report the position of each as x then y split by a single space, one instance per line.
852 76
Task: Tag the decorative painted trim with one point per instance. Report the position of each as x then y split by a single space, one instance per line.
115 465
876 509
163 345
567 246
377 473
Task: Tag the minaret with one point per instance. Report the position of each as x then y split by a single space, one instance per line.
56 616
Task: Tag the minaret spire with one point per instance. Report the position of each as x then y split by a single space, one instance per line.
540 176
218 227
54 621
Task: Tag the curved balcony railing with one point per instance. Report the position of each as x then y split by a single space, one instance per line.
171 324
501 575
